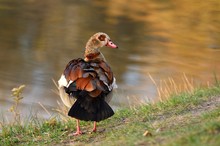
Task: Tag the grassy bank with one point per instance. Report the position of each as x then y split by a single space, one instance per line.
184 119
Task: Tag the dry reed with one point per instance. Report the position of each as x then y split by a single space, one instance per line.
168 87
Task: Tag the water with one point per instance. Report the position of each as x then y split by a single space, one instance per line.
161 38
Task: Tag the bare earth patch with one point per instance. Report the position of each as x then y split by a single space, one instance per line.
206 106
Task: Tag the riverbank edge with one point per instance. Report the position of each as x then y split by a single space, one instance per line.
184 119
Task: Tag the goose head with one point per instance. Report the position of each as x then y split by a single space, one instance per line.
100 40
97 41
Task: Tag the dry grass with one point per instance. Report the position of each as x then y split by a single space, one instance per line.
62 109
168 87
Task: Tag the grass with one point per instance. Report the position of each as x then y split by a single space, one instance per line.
186 118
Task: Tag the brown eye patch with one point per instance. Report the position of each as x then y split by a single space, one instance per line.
102 37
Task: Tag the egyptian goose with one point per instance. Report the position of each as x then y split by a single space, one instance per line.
90 82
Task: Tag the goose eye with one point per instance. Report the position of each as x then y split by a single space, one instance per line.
102 37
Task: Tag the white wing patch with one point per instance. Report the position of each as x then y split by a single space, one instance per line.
62 81
114 85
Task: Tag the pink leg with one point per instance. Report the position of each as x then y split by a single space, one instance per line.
78 131
94 127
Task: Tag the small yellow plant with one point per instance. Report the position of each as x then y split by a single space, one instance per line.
17 97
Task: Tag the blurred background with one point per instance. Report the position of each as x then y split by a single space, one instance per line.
160 38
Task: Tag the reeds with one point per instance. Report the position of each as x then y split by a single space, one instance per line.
62 109
168 87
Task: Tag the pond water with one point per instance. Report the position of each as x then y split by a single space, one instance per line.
161 38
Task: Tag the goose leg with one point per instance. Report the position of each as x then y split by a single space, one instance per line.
94 127
78 131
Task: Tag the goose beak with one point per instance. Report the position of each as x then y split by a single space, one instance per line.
110 44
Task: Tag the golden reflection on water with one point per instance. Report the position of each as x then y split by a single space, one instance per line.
163 38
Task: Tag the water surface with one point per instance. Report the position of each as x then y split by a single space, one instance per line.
160 38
